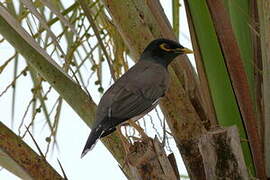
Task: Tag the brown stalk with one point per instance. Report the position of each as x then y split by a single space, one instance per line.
257 59
27 164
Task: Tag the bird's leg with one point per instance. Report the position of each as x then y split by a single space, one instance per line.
138 128
123 139
164 133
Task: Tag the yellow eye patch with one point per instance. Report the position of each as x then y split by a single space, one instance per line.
165 47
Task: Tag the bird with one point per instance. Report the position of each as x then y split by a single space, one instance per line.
136 90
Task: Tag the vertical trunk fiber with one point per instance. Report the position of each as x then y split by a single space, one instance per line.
264 17
257 59
222 155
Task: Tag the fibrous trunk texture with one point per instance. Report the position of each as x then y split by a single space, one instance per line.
148 161
264 18
222 155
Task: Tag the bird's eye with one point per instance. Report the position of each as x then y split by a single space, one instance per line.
165 47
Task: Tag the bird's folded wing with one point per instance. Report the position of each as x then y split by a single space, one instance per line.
128 104
133 94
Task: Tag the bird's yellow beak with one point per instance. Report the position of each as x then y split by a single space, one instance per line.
186 51
183 50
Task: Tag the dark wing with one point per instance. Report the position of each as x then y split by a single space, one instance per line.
130 104
133 93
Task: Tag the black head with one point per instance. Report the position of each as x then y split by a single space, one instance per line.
163 51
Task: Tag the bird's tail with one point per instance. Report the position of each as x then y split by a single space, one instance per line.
92 139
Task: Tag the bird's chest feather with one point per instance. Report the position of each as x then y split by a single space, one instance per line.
151 74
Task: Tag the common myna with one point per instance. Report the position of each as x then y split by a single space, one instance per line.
137 90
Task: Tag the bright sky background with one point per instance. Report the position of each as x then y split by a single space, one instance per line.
73 132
